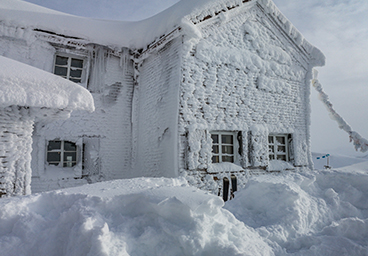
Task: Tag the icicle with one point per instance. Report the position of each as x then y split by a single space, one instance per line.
124 55
359 142
98 61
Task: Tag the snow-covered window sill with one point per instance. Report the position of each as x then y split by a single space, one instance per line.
224 167
279 165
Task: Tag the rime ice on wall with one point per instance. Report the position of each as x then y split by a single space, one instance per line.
258 146
21 44
103 137
156 113
243 73
16 126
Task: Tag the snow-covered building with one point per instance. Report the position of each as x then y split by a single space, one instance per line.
203 89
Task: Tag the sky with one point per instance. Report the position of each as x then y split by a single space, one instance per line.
339 28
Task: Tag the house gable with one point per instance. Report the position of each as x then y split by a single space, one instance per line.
243 74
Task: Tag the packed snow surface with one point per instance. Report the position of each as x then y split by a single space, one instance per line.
125 217
309 213
24 85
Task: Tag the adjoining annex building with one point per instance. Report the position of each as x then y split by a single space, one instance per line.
29 95
205 89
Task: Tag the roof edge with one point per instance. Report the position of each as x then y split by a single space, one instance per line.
316 57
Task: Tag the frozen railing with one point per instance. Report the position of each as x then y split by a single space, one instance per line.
359 142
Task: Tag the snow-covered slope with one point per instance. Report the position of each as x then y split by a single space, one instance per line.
24 85
312 213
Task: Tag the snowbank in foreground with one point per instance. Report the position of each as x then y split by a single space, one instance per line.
314 213
24 85
125 217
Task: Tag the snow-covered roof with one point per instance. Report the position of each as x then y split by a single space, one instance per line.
24 85
138 34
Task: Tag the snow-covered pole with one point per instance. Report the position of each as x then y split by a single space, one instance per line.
327 156
359 142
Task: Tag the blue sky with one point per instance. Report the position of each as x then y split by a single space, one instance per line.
339 28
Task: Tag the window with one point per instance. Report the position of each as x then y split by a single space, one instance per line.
278 146
223 147
69 67
62 153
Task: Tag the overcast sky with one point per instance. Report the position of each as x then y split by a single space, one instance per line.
339 28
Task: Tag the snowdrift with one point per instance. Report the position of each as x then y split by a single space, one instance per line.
312 213
125 217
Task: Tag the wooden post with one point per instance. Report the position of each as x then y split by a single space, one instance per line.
225 192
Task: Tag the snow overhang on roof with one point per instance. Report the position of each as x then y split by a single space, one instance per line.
27 86
140 34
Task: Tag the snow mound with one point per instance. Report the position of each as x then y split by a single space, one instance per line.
314 213
125 217
307 213
24 85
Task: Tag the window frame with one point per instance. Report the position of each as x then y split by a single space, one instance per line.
220 154
62 163
274 154
69 67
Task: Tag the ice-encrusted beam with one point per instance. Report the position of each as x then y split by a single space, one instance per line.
359 142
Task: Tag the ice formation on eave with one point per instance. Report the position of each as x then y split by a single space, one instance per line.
23 85
139 34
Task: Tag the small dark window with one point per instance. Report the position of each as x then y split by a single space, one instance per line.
61 61
278 147
69 68
62 153
223 147
77 63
